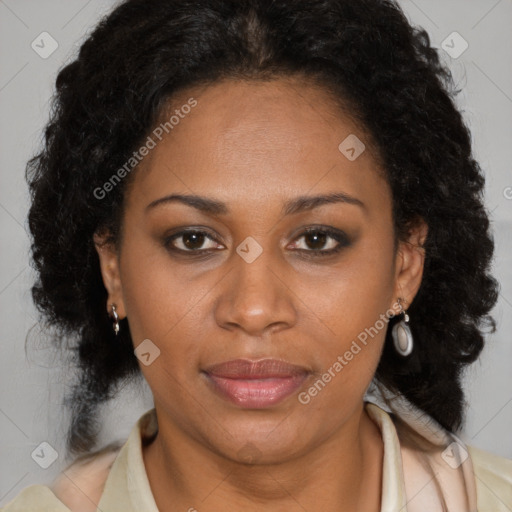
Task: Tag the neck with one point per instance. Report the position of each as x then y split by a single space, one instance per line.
185 474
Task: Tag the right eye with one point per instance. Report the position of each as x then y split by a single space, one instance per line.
189 241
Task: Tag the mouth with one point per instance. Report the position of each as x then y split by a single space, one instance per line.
255 384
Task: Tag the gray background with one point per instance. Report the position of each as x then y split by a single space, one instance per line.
33 381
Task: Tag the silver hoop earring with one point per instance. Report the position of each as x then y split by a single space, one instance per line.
115 316
401 334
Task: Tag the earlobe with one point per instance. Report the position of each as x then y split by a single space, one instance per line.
109 266
410 263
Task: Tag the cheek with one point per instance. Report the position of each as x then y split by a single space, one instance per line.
352 303
156 300
156 311
353 293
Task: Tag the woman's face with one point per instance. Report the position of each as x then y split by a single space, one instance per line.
247 282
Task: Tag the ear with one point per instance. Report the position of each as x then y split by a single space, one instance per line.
409 263
109 265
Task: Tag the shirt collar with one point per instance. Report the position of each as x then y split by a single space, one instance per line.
393 497
127 487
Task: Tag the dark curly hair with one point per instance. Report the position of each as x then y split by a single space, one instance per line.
369 58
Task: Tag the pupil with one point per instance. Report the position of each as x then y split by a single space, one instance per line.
318 240
196 238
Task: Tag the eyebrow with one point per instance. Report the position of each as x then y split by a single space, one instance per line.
290 207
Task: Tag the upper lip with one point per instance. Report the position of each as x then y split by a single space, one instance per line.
261 369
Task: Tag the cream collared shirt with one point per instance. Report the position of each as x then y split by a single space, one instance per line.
450 476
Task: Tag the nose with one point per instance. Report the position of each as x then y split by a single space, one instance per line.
256 297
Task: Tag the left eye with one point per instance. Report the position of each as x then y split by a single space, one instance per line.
316 239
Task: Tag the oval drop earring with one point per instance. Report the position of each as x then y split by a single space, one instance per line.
402 335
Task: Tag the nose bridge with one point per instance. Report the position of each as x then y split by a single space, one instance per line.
253 267
255 296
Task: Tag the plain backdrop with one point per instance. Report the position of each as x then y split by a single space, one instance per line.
33 381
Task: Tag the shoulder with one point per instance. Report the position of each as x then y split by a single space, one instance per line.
35 498
493 478
77 488
84 483
482 480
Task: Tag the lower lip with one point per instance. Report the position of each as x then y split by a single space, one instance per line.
256 393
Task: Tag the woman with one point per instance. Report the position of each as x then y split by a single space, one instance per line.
271 212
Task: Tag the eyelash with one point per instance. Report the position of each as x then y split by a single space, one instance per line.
339 236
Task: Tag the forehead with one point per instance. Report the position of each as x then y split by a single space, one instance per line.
247 141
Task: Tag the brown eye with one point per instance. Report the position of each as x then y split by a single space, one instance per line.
316 240
322 241
190 241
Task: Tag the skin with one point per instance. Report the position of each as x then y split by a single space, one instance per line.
254 146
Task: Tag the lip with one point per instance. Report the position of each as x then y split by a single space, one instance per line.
255 384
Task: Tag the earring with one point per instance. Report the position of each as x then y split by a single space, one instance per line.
115 316
401 333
